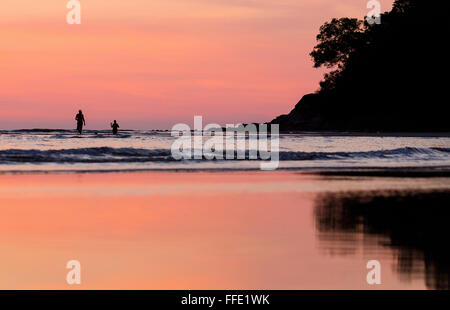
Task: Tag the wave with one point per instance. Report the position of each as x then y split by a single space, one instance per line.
406 152
74 131
130 155
87 134
36 131
91 136
84 155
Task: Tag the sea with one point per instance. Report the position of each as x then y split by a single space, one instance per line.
56 150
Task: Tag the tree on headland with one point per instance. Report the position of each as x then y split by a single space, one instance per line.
337 39
388 76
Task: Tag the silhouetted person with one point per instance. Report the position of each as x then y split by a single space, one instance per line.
80 121
115 127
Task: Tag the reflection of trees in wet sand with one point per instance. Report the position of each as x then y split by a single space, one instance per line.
415 225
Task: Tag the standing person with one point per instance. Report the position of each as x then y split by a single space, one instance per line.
115 127
80 121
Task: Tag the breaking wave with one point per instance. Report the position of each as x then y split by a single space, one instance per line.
137 155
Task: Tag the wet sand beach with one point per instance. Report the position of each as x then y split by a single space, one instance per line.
223 230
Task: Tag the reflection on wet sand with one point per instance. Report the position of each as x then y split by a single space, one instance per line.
413 226
221 230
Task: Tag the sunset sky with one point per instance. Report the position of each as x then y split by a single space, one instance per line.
153 63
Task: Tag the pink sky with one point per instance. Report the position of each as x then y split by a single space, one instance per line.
153 63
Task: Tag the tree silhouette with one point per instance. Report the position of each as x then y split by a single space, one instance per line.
338 40
390 76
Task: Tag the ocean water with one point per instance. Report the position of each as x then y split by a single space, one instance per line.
64 150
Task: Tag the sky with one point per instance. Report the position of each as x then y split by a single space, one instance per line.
153 63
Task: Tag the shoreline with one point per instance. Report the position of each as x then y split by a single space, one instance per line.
407 172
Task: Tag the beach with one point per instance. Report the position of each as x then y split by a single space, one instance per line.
223 230
223 153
